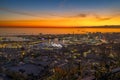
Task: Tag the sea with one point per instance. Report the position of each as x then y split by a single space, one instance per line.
36 31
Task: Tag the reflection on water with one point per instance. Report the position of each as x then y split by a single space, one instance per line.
15 31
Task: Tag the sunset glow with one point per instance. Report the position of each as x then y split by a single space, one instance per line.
61 22
62 13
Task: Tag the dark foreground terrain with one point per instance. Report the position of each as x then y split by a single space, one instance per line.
91 56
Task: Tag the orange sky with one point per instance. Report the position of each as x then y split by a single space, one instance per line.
63 22
62 13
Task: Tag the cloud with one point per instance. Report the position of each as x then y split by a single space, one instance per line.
116 14
78 15
18 12
107 18
102 18
98 17
83 15
46 14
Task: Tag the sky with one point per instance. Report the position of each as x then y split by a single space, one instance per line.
40 13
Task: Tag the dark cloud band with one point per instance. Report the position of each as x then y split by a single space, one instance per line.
18 12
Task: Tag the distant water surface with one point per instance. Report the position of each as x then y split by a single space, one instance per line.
34 31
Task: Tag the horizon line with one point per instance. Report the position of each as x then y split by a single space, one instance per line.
102 26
